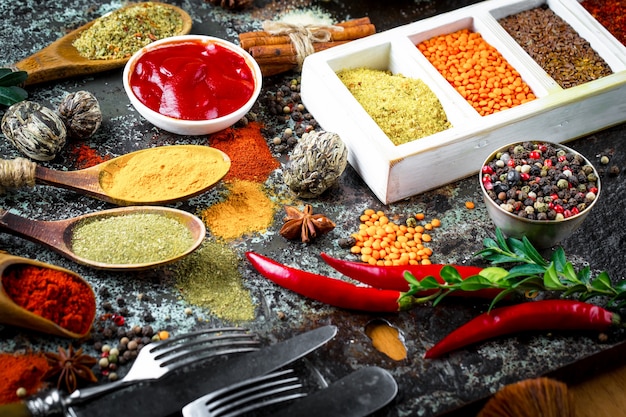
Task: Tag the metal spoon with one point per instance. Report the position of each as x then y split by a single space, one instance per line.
57 235
61 59
15 315
88 181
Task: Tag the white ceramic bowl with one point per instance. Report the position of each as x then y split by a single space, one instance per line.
541 233
183 126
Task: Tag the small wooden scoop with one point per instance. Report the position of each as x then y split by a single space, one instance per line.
61 59
89 180
14 315
57 235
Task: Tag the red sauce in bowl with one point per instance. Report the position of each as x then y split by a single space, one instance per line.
192 80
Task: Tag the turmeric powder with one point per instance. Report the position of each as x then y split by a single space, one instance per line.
246 210
163 173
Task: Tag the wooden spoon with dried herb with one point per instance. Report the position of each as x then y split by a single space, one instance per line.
120 239
97 46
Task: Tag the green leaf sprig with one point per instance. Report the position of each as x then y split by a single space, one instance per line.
530 273
10 90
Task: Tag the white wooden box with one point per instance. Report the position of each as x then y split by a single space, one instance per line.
397 172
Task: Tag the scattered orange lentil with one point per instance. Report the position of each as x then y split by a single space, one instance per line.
477 71
380 241
163 334
469 205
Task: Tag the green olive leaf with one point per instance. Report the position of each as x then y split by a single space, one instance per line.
551 279
494 273
9 78
602 283
558 258
584 275
450 274
429 283
578 289
474 283
11 95
532 253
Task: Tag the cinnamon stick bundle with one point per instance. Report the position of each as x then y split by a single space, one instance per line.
276 53
352 29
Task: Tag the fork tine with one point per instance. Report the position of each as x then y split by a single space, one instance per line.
246 396
181 341
202 345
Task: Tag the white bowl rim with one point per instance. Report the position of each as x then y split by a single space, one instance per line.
531 221
254 67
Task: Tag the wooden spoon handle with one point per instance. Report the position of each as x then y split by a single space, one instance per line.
48 233
61 60
85 181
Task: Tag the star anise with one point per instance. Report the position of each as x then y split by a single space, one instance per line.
305 224
69 367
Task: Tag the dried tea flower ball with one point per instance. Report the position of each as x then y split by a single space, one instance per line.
80 111
37 131
315 164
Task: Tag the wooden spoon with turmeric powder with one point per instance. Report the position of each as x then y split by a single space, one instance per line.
61 59
161 175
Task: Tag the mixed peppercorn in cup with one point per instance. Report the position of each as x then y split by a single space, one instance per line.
539 190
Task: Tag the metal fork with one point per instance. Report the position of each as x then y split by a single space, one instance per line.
158 358
246 396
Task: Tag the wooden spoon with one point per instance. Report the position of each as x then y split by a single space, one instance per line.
57 235
88 181
15 315
61 59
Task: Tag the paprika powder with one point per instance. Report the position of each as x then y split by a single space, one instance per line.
251 158
85 156
52 294
21 371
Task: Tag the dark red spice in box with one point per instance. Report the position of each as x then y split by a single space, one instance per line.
611 14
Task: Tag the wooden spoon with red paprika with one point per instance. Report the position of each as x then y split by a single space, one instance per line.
27 311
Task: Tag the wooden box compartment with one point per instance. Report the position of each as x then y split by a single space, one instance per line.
397 172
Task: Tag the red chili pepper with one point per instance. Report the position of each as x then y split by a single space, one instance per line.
329 290
534 315
392 277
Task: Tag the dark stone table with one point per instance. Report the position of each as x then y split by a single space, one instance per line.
426 388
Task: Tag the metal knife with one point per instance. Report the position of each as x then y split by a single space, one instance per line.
167 396
358 394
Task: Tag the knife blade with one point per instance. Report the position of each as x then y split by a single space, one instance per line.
358 394
167 396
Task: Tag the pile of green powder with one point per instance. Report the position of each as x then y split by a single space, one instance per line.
210 278
404 108
134 238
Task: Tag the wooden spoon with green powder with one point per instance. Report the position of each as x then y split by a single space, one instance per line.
161 175
123 239
61 59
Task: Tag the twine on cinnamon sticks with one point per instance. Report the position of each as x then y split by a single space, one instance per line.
281 47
